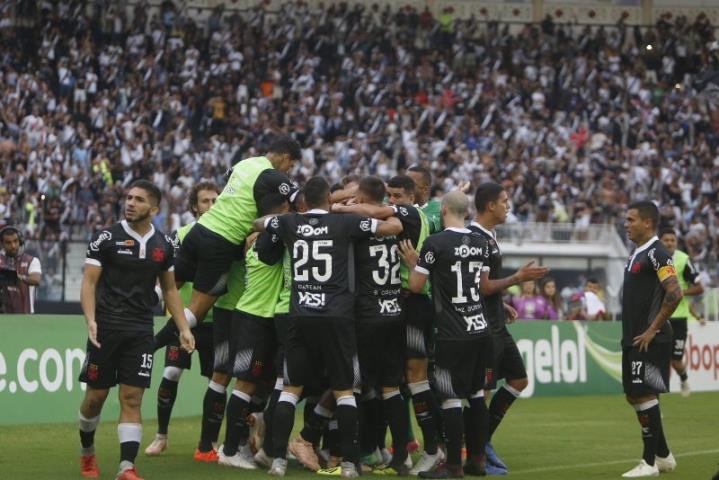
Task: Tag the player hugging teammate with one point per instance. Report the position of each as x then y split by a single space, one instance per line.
356 301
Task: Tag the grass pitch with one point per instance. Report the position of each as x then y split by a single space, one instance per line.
554 438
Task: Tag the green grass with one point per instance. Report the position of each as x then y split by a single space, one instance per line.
542 438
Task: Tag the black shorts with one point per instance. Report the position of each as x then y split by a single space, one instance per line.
381 353
221 336
321 345
255 345
460 368
418 313
123 357
281 322
205 259
679 338
507 362
204 346
646 373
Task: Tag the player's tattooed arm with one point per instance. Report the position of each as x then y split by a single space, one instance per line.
672 297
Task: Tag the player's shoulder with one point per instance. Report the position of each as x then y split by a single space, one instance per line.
107 235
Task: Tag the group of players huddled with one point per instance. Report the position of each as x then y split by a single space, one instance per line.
356 299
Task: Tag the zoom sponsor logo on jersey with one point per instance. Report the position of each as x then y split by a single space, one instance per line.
309 231
389 306
476 323
465 251
312 300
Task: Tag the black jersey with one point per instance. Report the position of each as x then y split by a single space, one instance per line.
454 259
493 304
321 248
411 218
125 293
648 266
379 283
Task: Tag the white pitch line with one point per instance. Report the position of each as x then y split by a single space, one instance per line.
600 464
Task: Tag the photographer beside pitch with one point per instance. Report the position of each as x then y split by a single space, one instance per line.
651 294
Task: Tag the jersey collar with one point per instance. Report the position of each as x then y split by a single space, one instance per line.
479 225
141 240
317 211
645 245
459 230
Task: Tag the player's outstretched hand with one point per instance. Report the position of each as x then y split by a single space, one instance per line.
530 272
642 341
92 333
463 187
511 313
187 341
408 253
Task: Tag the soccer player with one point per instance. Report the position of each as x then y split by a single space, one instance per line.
254 341
651 293
381 334
202 197
691 285
492 205
117 295
418 313
454 259
321 335
211 246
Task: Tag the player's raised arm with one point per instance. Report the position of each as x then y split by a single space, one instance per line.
526 273
174 305
386 228
381 212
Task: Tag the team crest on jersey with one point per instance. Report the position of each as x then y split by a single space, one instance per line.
257 368
429 258
365 225
157 255
636 267
313 221
104 235
284 189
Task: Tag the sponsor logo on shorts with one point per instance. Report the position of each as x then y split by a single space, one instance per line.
173 353
92 372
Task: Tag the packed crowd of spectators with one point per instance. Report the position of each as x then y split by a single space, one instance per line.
575 121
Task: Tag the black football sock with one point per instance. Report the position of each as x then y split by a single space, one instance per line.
423 401
310 404
683 374
166 335
166 395
662 447
501 401
258 404
129 435
650 420
315 423
470 435
87 428
478 435
348 428
332 439
236 429
284 421
267 444
396 414
452 412
368 415
213 412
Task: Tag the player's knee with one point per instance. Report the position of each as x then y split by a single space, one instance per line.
221 378
518 384
131 400
245 387
172 374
